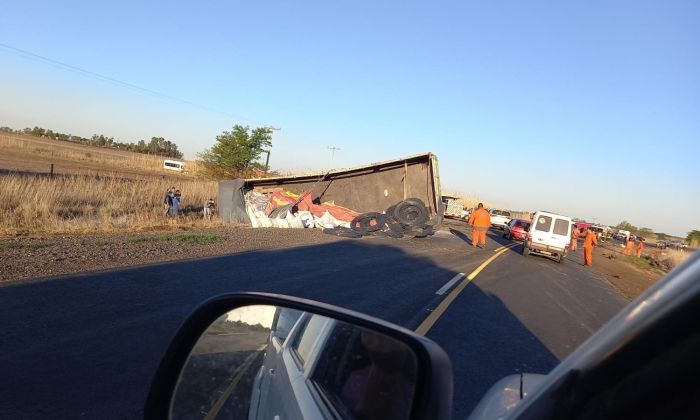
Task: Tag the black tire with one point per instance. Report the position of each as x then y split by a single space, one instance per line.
347 232
356 225
330 231
363 223
394 226
561 259
526 250
411 212
420 232
393 234
379 221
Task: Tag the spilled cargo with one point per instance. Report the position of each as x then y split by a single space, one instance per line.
395 198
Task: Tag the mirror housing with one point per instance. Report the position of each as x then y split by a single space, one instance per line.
433 393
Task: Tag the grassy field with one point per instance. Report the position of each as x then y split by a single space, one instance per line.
22 153
83 203
94 189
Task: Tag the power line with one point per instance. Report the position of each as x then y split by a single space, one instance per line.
333 149
75 69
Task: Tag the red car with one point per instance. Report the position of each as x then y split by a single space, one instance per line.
517 229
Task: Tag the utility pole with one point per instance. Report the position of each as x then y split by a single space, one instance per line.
267 159
333 149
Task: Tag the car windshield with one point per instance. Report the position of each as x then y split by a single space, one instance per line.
500 178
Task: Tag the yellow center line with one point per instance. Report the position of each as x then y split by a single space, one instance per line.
428 323
504 246
218 405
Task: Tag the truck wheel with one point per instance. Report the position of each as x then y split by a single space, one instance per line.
526 250
411 212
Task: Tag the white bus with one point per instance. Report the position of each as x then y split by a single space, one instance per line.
174 165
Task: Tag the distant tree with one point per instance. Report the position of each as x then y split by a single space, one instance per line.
141 147
625 225
157 145
235 151
645 230
37 131
693 238
661 236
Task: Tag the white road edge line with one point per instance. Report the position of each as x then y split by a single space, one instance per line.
449 284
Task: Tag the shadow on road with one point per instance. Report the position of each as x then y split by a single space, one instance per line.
70 342
486 342
495 236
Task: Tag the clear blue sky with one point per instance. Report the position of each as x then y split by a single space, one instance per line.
587 108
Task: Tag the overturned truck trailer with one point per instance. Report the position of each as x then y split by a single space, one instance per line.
401 195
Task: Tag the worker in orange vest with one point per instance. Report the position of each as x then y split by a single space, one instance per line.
628 246
640 247
480 221
588 245
574 238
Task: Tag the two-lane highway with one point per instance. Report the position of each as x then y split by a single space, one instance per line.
87 346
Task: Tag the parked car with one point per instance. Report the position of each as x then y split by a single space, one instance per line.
549 235
499 218
620 236
517 229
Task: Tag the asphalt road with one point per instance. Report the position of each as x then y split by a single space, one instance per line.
87 346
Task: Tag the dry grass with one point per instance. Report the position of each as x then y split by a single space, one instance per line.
471 202
672 258
80 204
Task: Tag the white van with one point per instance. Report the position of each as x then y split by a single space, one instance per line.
174 165
549 235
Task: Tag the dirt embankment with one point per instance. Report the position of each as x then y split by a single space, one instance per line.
629 274
38 257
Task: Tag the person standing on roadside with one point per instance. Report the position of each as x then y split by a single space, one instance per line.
480 221
168 202
176 203
628 246
575 234
588 244
640 247
209 206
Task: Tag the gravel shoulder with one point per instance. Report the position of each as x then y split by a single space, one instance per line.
630 279
48 256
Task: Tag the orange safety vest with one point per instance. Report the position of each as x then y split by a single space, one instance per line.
480 218
590 241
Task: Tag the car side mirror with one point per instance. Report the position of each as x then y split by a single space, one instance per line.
258 356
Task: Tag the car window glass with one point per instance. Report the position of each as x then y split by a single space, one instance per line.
284 321
363 377
561 227
543 223
304 340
